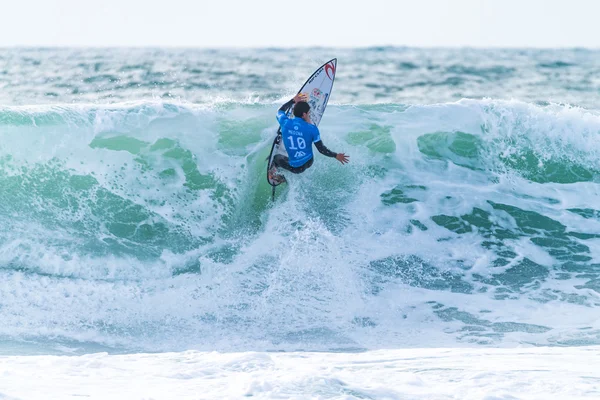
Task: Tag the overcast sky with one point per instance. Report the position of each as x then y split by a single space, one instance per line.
259 23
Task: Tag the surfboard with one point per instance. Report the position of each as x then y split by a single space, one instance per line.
318 90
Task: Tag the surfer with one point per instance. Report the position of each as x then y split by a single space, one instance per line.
298 134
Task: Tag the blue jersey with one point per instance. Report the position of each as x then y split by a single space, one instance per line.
298 137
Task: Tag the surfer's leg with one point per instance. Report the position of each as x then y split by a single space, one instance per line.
283 162
302 168
278 161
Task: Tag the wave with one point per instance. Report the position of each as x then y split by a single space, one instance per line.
149 225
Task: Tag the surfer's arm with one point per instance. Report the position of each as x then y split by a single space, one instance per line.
319 144
286 106
324 150
341 157
281 114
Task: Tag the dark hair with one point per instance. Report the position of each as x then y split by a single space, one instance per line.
300 108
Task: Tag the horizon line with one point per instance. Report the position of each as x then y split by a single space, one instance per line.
307 47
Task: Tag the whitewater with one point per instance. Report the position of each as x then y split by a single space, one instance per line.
456 256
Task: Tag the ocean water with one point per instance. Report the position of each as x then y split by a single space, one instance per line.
136 223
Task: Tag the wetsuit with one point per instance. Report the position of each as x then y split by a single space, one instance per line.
298 136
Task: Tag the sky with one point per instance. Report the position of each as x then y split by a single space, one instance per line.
300 23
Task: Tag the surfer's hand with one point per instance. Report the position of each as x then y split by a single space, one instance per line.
341 157
299 97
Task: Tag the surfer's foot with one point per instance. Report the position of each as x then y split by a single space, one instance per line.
274 177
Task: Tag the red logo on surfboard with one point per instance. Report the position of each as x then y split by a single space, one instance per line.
330 67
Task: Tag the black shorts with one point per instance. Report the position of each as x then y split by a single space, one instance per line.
284 162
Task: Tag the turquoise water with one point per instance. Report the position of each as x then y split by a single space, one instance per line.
135 214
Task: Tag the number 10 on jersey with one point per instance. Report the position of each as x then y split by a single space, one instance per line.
300 142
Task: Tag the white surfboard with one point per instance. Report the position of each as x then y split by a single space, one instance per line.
317 88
